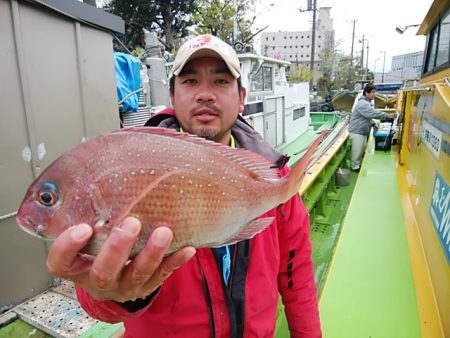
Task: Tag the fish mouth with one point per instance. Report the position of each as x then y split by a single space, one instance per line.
36 230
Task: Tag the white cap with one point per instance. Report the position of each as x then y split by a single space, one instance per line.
207 46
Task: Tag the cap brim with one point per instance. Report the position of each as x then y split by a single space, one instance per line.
206 52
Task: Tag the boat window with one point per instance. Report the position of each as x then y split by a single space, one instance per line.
267 71
431 50
299 112
262 80
444 39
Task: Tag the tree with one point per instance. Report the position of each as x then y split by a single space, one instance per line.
170 19
216 17
137 14
339 70
328 57
300 73
173 19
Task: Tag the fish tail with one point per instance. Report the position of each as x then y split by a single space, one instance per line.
297 174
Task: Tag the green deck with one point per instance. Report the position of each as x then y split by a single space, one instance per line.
370 289
327 204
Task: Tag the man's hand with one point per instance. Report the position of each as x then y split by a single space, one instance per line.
111 275
394 115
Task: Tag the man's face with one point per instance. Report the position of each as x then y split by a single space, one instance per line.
206 99
371 95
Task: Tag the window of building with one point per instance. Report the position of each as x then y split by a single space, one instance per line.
273 39
307 46
318 46
285 37
307 37
267 38
302 36
320 36
296 36
285 47
290 37
301 46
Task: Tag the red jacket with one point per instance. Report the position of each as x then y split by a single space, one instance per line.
194 301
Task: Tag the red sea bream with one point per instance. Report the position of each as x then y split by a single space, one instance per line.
210 194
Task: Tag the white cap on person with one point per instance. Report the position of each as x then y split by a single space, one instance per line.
207 46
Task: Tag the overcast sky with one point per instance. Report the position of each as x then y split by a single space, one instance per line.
375 19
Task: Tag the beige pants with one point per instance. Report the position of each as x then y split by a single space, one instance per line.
359 143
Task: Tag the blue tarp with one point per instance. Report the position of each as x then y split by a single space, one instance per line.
128 79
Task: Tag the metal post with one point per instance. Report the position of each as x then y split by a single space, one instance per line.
384 63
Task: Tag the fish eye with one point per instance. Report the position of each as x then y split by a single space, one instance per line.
48 195
47 198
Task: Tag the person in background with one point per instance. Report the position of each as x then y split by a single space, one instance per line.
361 120
231 291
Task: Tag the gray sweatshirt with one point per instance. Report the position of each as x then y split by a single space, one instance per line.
362 115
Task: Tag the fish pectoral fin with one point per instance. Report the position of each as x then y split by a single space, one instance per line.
252 229
103 211
143 193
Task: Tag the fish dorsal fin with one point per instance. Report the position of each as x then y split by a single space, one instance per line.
251 230
261 167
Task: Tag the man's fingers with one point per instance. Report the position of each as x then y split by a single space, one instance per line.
63 254
168 266
148 260
114 254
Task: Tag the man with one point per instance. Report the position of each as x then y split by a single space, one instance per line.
361 120
225 292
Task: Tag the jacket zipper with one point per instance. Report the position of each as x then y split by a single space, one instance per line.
208 300
233 264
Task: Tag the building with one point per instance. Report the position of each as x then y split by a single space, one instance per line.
410 60
296 46
403 67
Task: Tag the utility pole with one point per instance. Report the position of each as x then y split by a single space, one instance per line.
367 55
235 28
353 40
362 52
313 34
312 6
384 63
367 60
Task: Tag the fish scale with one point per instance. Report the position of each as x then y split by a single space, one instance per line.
209 194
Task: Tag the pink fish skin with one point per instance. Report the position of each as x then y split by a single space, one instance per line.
210 194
